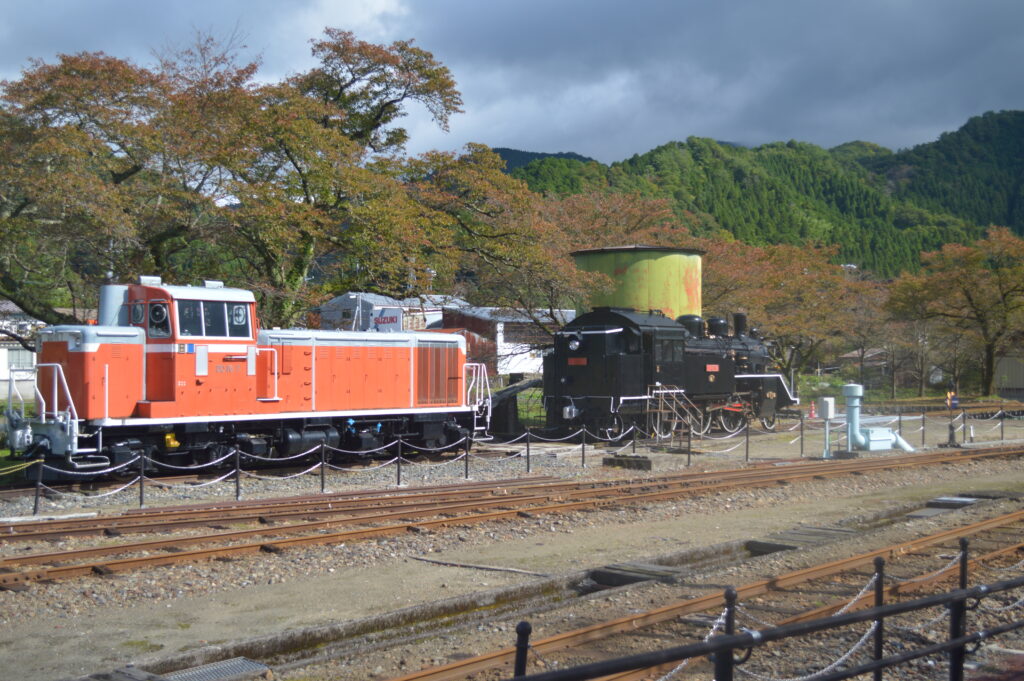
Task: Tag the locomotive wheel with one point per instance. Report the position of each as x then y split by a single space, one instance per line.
704 425
612 427
731 421
768 423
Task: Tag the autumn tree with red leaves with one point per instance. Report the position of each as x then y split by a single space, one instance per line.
975 289
190 170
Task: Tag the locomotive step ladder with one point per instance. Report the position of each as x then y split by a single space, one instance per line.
672 411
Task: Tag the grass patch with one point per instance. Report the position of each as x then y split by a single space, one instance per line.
142 646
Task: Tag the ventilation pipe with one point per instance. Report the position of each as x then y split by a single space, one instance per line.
867 439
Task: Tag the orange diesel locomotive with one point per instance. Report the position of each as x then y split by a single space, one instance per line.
183 374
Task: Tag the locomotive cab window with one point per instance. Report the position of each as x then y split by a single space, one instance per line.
215 321
238 320
669 350
632 342
190 319
159 321
198 318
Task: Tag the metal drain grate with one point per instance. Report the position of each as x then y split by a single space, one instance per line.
235 669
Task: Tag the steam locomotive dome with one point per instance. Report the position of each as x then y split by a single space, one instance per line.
646 278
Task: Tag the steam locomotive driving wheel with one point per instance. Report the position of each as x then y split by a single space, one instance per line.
732 418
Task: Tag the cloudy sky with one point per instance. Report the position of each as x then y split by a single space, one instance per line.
611 78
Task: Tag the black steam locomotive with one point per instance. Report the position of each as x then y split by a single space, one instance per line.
615 367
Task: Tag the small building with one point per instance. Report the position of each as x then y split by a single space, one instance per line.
507 341
358 311
13 357
872 367
13 319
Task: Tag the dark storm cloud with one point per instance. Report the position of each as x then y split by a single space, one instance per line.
609 79
616 78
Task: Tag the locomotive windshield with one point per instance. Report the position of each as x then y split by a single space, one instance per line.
213 318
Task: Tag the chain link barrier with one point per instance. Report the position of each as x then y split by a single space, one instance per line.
92 474
194 467
718 624
368 469
934 573
195 485
841 660
280 477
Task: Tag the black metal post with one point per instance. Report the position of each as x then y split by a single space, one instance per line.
398 482
746 455
142 482
730 611
958 620
466 464
957 615
1002 422
583 449
963 562
724 662
528 450
39 487
238 474
689 443
633 431
923 423
323 467
879 651
899 421
801 434
523 631
963 423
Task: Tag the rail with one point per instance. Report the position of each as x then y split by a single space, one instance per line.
722 649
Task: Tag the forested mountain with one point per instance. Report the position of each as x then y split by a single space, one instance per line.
881 209
515 158
976 172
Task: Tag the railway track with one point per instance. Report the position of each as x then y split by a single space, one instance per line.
911 568
278 525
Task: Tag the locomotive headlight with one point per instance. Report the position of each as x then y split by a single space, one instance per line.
574 344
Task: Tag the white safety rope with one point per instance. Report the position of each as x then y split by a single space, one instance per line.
281 477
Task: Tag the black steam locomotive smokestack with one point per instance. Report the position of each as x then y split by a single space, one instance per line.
739 324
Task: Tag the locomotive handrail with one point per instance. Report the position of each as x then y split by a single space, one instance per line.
13 391
782 380
478 390
276 397
71 413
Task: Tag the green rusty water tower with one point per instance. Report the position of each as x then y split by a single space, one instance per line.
647 278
